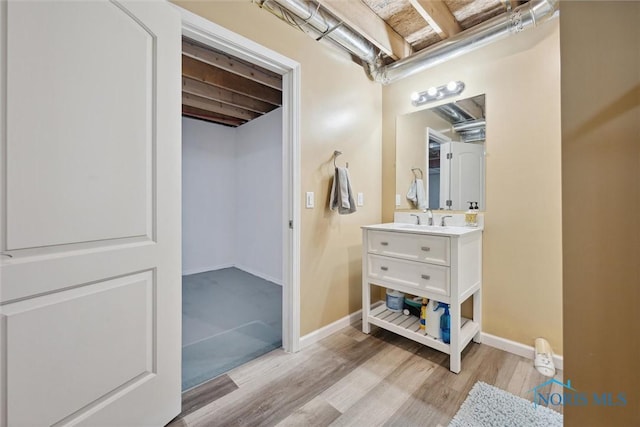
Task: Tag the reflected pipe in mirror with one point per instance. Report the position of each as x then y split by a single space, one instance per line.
448 142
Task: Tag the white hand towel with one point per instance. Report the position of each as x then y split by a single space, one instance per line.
420 194
416 194
411 194
341 194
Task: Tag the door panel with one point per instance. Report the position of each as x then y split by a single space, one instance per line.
87 179
113 346
467 174
90 299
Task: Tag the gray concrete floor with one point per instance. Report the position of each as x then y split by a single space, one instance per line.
228 318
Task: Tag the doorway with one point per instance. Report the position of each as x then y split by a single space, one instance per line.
205 33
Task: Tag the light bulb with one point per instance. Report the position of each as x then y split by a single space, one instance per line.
432 91
451 86
415 96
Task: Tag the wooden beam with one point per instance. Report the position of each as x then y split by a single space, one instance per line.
358 16
211 117
204 90
217 107
231 64
203 72
438 15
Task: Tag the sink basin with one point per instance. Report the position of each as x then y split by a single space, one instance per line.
423 227
448 230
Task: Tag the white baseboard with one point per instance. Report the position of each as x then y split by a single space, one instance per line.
258 274
516 348
491 340
329 329
197 270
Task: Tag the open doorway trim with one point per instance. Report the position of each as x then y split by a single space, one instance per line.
204 31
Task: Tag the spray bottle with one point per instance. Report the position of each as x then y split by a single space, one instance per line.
445 323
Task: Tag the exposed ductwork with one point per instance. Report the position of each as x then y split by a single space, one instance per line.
311 17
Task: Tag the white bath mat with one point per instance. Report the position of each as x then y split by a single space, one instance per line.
489 406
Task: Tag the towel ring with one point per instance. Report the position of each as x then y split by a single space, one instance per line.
419 170
335 156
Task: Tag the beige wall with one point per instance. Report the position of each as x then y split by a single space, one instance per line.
601 206
522 263
341 110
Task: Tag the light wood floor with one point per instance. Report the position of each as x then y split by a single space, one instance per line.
353 379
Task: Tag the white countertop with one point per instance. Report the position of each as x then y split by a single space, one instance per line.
424 229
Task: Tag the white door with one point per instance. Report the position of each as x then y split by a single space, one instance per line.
463 168
467 174
90 302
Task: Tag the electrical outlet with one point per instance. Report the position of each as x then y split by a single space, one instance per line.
397 200
310 199
360 201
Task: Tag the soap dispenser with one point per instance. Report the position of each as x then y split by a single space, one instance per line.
471 216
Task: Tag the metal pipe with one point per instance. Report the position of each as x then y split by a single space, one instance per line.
469 125
315 17
324 23
524 16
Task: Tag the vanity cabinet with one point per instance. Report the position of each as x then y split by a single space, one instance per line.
443 264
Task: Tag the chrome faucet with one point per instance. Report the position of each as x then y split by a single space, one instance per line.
429 216
417 218
442 223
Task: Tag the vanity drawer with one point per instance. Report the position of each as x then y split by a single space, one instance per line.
411 246
433 278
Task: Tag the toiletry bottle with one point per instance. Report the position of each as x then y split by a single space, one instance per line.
445 324
432 327
471 216
423 314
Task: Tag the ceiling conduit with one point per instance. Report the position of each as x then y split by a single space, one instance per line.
311 15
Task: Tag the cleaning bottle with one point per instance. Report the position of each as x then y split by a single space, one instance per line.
445 324
423 314
471 216
432 327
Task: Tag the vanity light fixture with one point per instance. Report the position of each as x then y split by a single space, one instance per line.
436 93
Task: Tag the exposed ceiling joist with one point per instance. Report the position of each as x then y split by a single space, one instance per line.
438 16
197 113
217 107
231 64
204 90
361 18
203 72
222 89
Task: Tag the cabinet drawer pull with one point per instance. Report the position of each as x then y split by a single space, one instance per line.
426 277
384 268
384 243
426 248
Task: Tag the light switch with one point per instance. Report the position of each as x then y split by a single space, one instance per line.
360 201
397 200
310 199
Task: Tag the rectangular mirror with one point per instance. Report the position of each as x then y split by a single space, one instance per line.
440 156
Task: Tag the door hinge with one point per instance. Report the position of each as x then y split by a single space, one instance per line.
449 156
449 203
291 224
